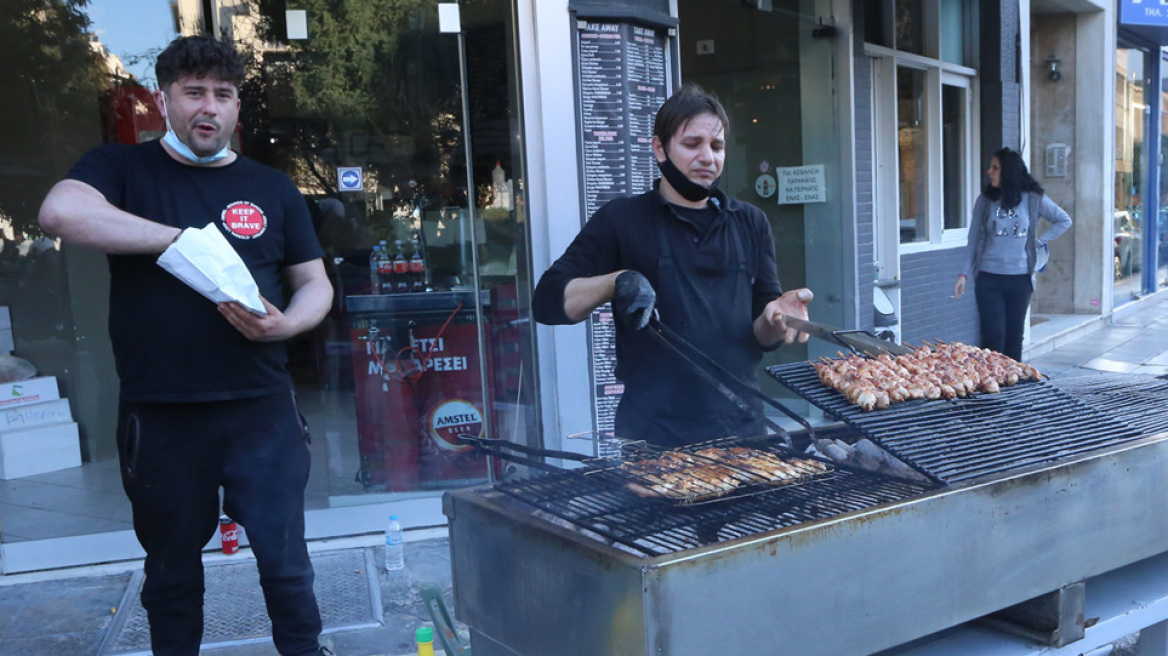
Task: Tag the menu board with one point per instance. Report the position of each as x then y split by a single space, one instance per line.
623 81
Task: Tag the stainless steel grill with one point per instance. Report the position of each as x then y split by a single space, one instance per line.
843 565
951 441
848 585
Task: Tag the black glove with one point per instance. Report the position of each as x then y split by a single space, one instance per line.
632 300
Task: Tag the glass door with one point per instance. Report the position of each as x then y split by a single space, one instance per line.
1130 172
404 141
769 70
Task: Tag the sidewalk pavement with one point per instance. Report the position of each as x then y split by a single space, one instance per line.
366 611
369 612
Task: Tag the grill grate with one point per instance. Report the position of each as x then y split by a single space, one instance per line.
951 441
604 506
1139 401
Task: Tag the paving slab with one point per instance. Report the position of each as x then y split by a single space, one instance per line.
59 618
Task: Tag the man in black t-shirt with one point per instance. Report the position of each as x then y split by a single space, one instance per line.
206 402
705 261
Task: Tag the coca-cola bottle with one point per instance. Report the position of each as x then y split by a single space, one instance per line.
417 270
385 269
401 270
375 270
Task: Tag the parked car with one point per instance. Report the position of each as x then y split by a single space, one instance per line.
1128 244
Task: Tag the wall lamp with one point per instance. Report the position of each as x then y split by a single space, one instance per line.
1052 67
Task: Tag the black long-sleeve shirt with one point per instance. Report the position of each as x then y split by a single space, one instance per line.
666 402
623 234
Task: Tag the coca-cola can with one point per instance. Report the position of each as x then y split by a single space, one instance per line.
229 534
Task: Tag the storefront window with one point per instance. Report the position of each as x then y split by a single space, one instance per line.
954 156
926 122
1130 121
953 31
426 241
910 26
762 70
912 154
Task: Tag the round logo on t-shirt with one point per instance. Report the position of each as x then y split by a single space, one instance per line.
244 220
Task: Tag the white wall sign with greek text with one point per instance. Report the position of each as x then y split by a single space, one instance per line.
801 184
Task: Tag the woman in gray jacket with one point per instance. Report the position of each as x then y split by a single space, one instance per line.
1005 250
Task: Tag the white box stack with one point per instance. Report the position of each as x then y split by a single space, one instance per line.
25 392
37 431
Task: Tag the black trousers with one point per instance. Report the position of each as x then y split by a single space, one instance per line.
174 459
1002 301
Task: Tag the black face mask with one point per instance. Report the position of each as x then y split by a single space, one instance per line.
688 189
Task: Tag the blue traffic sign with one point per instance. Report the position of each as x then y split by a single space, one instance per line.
349 178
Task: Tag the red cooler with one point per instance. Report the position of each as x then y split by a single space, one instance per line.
418 383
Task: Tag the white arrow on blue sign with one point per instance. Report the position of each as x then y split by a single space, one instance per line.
349 178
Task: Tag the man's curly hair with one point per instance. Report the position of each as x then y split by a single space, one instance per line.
201 56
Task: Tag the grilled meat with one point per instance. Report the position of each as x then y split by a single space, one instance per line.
940 371
714 472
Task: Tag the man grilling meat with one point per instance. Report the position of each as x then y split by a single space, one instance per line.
704 260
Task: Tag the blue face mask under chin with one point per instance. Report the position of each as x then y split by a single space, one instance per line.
171 139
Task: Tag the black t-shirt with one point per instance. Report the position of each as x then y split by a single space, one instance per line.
170 343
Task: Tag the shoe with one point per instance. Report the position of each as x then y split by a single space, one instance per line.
325 651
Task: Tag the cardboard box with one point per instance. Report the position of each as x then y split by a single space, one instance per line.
27 415
33 390
38 450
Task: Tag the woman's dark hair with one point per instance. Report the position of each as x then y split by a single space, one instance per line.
1013 181
201 56
687 102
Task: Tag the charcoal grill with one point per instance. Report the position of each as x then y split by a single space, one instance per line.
962 439
1034 489
853 583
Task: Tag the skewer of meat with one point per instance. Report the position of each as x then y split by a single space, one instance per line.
946 370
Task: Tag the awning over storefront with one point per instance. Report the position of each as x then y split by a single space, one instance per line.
1145 19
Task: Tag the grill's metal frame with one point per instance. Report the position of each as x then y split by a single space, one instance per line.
878 577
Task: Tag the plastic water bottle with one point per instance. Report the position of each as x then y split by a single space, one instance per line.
394 546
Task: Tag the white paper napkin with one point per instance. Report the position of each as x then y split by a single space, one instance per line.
209 265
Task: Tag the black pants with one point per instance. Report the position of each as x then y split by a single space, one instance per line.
174 458
1002 302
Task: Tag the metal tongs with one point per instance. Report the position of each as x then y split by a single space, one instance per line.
860 342
514 452
729 385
